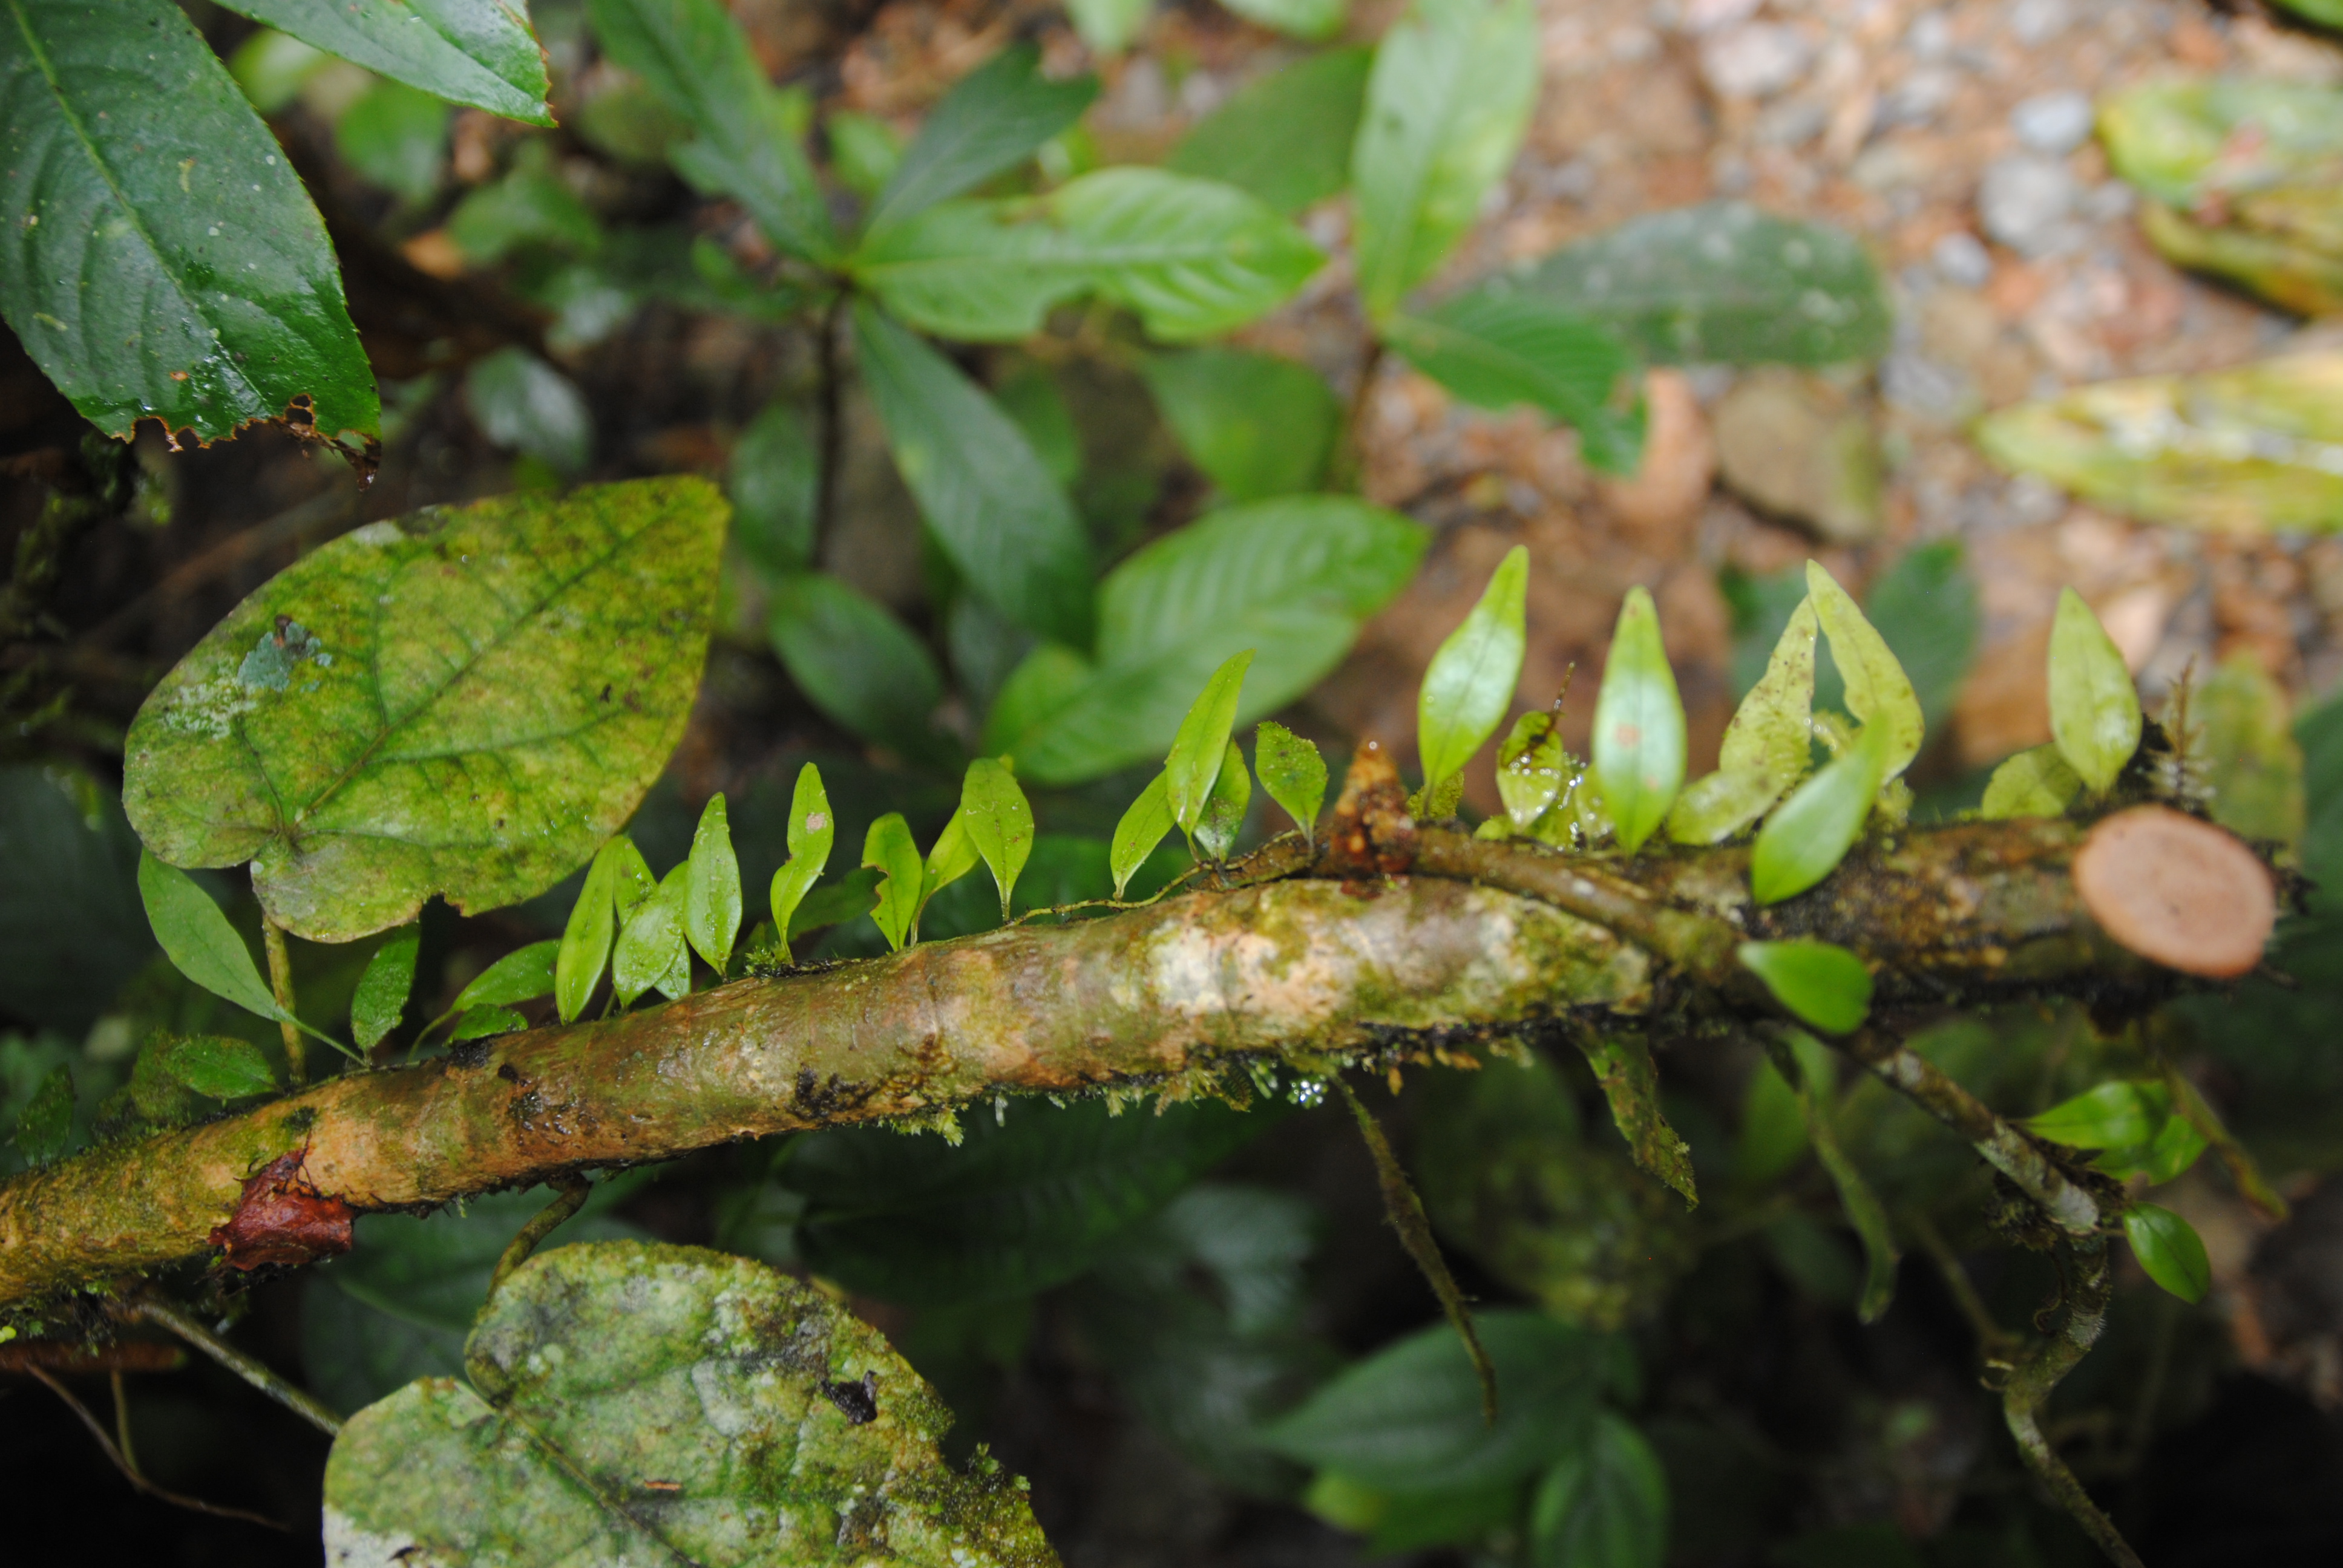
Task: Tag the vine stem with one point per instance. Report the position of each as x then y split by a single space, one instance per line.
2091 1285
280 985
129 1466
570 1197
298 1400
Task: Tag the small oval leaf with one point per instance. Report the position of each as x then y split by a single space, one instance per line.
1294 772
1714 809
1532 770
519 976
2169 1249
1471 681
218 1067
812 832
711 900
2118 1115
1772 730
1194 761
380 999
2037 782
1224 809
1821 983
1000 822
889 849
1141 828
2095 714
1814 828
651 946
1639 726
1878 690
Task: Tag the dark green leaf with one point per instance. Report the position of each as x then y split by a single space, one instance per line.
521 975
1257 426
888 849
396 136
1224 808
1604 1504
2169 1249
2095 714
1726 283
1621 1061
650 951
1925 607
1291 579
1471 679
1000 516
1142 826
1821 983
1879 693
772 481
854 661
585 938
380 999
812 832
1032 400
45 1124
460 50
694 55
522 403
165 261
199 940
1000 823
1496 348
711 900
849 898
1811 833
1293 772
1410 1419
1026 1201
480 1022
1639 725
1198 749
1189 257
216 1066
466 702
1285 138
995 118
72 930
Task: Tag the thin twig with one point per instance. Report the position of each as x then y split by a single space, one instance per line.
572 1190
130 1472
122 1420
280 986
298 1400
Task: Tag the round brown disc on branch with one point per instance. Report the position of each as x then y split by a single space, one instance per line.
2179 891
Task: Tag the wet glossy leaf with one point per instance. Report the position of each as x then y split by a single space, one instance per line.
996 513
198 941
600 1368
712 899
1196 754
1810 833
1285 138
1293 772
855 660
1533 768
811 833
1409 1417
888 849
772 479
216 1066
2037 782
465 702
1812 1072
459 50
1257 425
1224 808
1291 579
2238 451
1000 823
2246 751
2094 716
1471 679
1604 1504
1448 100
2169 1249
1821 983
650 952
380 999
521 975
1621 1061
1713 809
44 1127
165 261
1723 283
1189 257
993 119
1500 349
694 55
1639 725
1879 693
1142 826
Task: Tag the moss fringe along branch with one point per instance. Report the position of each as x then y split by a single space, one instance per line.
1481 938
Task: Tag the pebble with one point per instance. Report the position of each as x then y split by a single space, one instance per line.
2025 202
2053 124
1756 61
1961 259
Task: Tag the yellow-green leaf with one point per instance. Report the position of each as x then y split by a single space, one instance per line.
812 832
1471 681
998 821
650 952
1812 831
2095 714
1141 828
1292 771
1771 732
711 904
2169 1249
2037 782
1224 808
1821 983
1712 809
1639 726
888 849
1879 693
1533 768
1195 758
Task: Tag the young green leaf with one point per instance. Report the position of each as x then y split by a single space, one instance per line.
1000 822
1472 678
855 660
2095 714
1293 773
198 941
1286 138
1142 828
993 119
889 849
1532 770
1712 809
952 856
812 832
651 945
1772 729
585 938
1605 1503
1879 693
1639 726
2037 782
2169 1249
217 1067
1820 983
1499 347
631 881
1224 807
2122 1114
1811 833
1449 97
483 55
480 1022
1194 761
1257 425
45 1126
380 999
521 975
2163 1158
865 150
711 903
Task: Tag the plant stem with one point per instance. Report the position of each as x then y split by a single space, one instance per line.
130 1471
298 1400
2091 1284
570 1197
280 984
